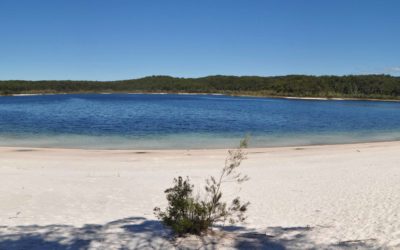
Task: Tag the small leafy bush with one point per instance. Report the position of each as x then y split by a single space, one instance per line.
189 214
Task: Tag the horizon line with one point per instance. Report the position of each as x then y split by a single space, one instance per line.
200 77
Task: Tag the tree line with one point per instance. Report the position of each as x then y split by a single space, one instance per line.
351 86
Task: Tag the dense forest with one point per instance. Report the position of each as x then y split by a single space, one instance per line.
352 86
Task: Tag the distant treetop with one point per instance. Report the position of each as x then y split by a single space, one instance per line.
351 86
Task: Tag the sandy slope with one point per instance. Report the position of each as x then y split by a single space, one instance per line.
337 196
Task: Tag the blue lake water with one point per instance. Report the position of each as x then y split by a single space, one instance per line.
144 121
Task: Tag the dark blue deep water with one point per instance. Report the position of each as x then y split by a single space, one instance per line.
190 121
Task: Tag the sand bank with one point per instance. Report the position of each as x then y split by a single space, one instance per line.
335 196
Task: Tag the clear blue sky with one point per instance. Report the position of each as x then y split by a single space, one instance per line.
122 39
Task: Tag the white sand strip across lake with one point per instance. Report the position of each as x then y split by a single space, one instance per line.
336 196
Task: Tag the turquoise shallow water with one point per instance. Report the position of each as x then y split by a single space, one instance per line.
143 121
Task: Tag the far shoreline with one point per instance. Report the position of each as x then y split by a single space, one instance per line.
311 98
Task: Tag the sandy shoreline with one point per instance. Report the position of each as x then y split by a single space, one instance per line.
327 196
221 94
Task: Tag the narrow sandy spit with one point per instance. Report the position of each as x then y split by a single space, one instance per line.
335 196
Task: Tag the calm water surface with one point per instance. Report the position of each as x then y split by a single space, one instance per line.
190 121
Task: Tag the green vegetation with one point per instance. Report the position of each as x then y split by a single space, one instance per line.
352 86
189 214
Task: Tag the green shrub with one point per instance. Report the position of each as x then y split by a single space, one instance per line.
189 214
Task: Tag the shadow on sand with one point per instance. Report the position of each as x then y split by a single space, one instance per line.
140 233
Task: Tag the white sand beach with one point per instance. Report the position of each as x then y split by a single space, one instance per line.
323 197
